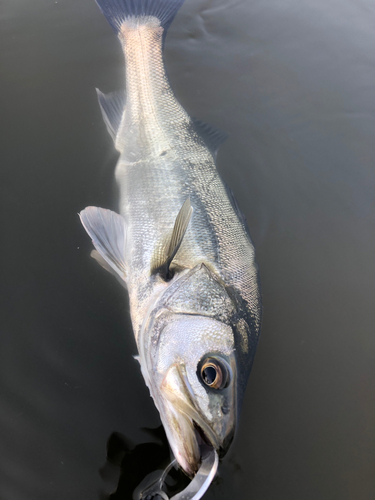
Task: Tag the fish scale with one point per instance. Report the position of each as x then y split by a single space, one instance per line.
179 243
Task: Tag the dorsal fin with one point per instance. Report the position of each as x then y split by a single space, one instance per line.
112 106
212 136
164 257
236 208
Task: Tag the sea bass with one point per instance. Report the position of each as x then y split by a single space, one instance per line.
179 243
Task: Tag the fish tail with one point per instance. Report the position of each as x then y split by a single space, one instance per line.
119 11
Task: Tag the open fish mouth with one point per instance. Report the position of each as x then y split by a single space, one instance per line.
189 435
204 444
201 437
191 442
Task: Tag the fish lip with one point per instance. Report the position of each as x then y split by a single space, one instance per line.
204 435
203 431
179 395
200 433
204 444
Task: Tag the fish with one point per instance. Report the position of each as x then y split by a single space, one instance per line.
179 243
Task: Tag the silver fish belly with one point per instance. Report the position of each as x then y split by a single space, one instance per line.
179 243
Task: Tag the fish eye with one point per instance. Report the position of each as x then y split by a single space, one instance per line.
214 373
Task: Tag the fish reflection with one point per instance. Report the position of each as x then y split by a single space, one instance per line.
127 464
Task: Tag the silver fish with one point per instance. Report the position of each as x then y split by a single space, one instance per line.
179 243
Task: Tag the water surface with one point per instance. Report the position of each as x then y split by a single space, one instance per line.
293 83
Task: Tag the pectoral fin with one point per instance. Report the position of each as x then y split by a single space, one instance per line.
104 264
164 257
108 233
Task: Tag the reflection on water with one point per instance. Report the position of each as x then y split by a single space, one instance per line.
128 464
293 83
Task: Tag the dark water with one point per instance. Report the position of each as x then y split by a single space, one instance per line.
293 83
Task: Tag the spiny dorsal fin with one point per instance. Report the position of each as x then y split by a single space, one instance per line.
112 107
170 246
108 233
212 136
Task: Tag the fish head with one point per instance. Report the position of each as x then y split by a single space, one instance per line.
196 369
193 367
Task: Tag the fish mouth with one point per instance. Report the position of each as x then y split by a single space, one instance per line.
204 444
201 437
190 436
191 457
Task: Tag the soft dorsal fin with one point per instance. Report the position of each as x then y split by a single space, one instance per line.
108 233
212 136
112 106
164 257
236 208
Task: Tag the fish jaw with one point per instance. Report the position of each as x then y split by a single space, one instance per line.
175 342
182 439
189 433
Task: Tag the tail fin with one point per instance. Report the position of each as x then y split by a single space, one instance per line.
116 11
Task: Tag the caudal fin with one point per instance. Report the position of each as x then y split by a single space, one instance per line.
117 11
